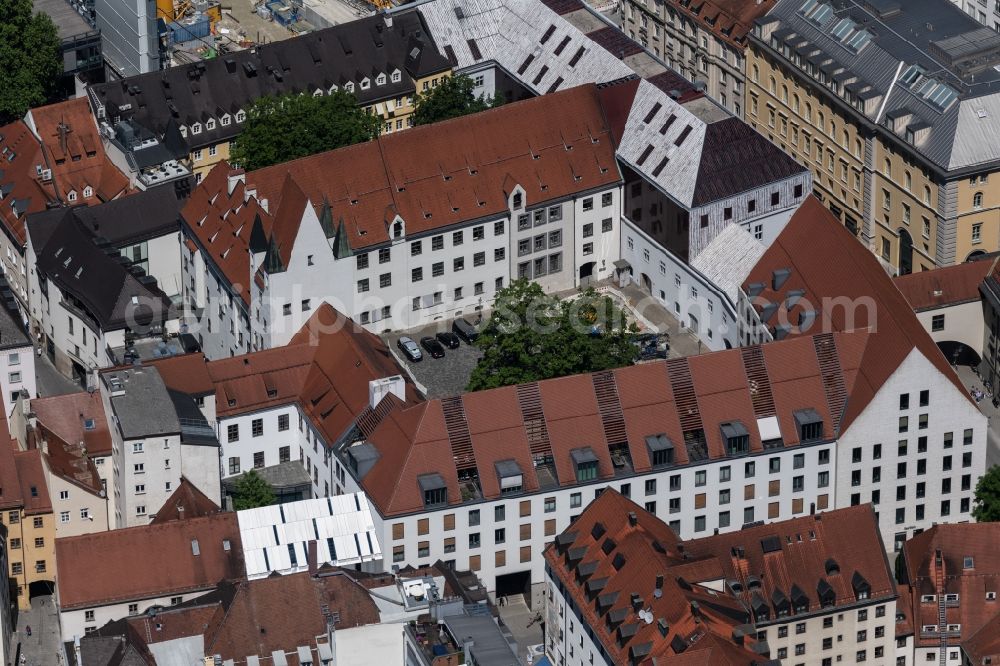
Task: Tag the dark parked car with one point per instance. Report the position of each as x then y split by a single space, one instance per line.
448 339
410 349
432 346
463 329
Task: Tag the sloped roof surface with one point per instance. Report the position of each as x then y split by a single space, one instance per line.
184 503
948 285
829 265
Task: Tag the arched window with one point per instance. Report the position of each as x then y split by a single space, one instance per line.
927 195
397 229
795 103
887 168
784 94
907 181
977 200
773 85
809 112
857 147
754 71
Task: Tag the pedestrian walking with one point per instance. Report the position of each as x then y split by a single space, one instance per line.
27 629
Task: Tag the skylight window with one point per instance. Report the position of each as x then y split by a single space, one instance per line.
858 40
842 29
818 13
911 75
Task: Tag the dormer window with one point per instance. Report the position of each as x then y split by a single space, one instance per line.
88 192
397 229
366 83
396 76
585 463
317 93
184 130
862 589
71 196
196 128
434 489
349 86
332 89
736 438
380 80
226 119
809 424
210 124
240 116
517 201
510 477
661 450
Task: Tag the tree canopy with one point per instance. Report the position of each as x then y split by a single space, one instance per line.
454 97
531 335
252 491
986 508
286 127
30 64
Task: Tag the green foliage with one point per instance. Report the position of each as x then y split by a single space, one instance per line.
986 508
283 128
532 335
30 64
251 491
451 99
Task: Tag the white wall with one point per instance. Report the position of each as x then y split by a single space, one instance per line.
685 520
141 491
69 502
17 371
962 323
949 411
74 622
680 288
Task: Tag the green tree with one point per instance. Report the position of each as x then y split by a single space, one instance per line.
251 491
531 335
286 127
30 64
453 98
986 508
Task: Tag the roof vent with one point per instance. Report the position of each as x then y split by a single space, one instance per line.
633 520
779 277
754 289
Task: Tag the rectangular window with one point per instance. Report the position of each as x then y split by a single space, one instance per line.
416 248
257 427
437 243
282 422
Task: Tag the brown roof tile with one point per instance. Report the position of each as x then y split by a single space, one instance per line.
602 534
67 417
31 476
185 503
949 285
20 158
729 20
832 268
75 153
187 373
148 561
955 543
413 440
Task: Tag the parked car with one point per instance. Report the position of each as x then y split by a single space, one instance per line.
463 329
432 346
410 349
448 339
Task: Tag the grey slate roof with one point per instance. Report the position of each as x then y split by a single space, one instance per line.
109 293
931 34
728 259
318 60
142 410
122 222
538 45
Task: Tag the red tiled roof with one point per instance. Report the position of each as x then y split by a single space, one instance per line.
10 485
800 550
186 373
729 20
20 159
414 440
325 368
70 461
148 561
949 285
185 503
75 153
833 268
433 176
955 543
221 219
984 646
627 558
66 416
31 476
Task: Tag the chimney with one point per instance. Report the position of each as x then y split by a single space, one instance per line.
658 591
312 558
633 520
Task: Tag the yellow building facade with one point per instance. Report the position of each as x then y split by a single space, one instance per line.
26 511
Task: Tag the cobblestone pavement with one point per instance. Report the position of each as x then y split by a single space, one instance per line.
50 381
44 646
440 377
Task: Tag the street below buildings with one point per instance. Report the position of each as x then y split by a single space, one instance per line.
50 381
44 646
